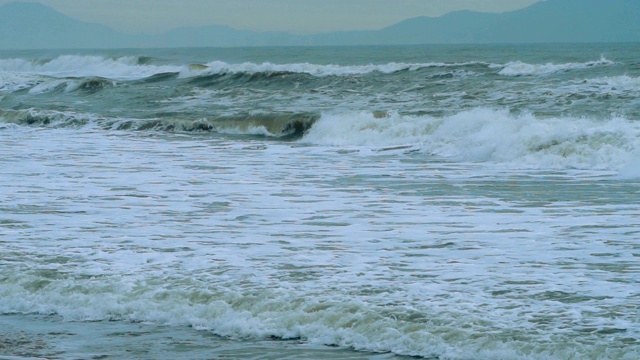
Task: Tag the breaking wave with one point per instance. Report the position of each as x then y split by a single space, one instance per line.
43 75
132 68
123 68
431 332
518 68
220 67
88 85
276 125
477 135
497 136
615 84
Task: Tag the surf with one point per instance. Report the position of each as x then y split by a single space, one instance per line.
484 135
519 68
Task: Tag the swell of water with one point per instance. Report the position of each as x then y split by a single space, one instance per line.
152 87
130 67
478 135
518 68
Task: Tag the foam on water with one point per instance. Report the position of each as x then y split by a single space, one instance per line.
220 67
575 91
123 68
519 141
320 320
10 82
275 240
613 84
519 68
129 68
411 206
276 125
498 136
53 119
49 86
126 68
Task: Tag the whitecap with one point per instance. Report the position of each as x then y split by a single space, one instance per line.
317 70
519 68
491 136
123 68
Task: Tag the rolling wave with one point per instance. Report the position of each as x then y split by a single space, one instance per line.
123 68
423 331
518 68
477 135
34 117
19 74
88 85
615 84
491 136
276 125
220 67
132 67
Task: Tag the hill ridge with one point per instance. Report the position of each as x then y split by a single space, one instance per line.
29 25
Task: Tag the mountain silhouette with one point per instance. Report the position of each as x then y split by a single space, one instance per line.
26 25
549 21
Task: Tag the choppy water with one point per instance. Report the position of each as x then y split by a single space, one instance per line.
376 202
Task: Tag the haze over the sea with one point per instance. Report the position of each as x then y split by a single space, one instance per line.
27 25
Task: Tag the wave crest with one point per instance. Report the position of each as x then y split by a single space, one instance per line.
518 68
496 136
122 68
140 67
277 125
221 67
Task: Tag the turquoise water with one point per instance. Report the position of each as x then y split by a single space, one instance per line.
439 202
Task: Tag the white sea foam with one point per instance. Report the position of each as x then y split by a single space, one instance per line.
593 88
48 86
221 67
518 68
435 236
317 319
127 68
485 135
613 84
123 68
410 257
10 82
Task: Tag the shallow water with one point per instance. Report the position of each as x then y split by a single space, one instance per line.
49 337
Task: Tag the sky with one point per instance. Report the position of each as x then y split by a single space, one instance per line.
294 16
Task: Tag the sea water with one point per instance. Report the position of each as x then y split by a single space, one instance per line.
441 202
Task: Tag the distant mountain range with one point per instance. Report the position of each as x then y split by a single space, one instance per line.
35 26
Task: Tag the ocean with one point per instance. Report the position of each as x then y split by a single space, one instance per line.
438 202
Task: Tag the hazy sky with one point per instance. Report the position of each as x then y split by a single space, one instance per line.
296 16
